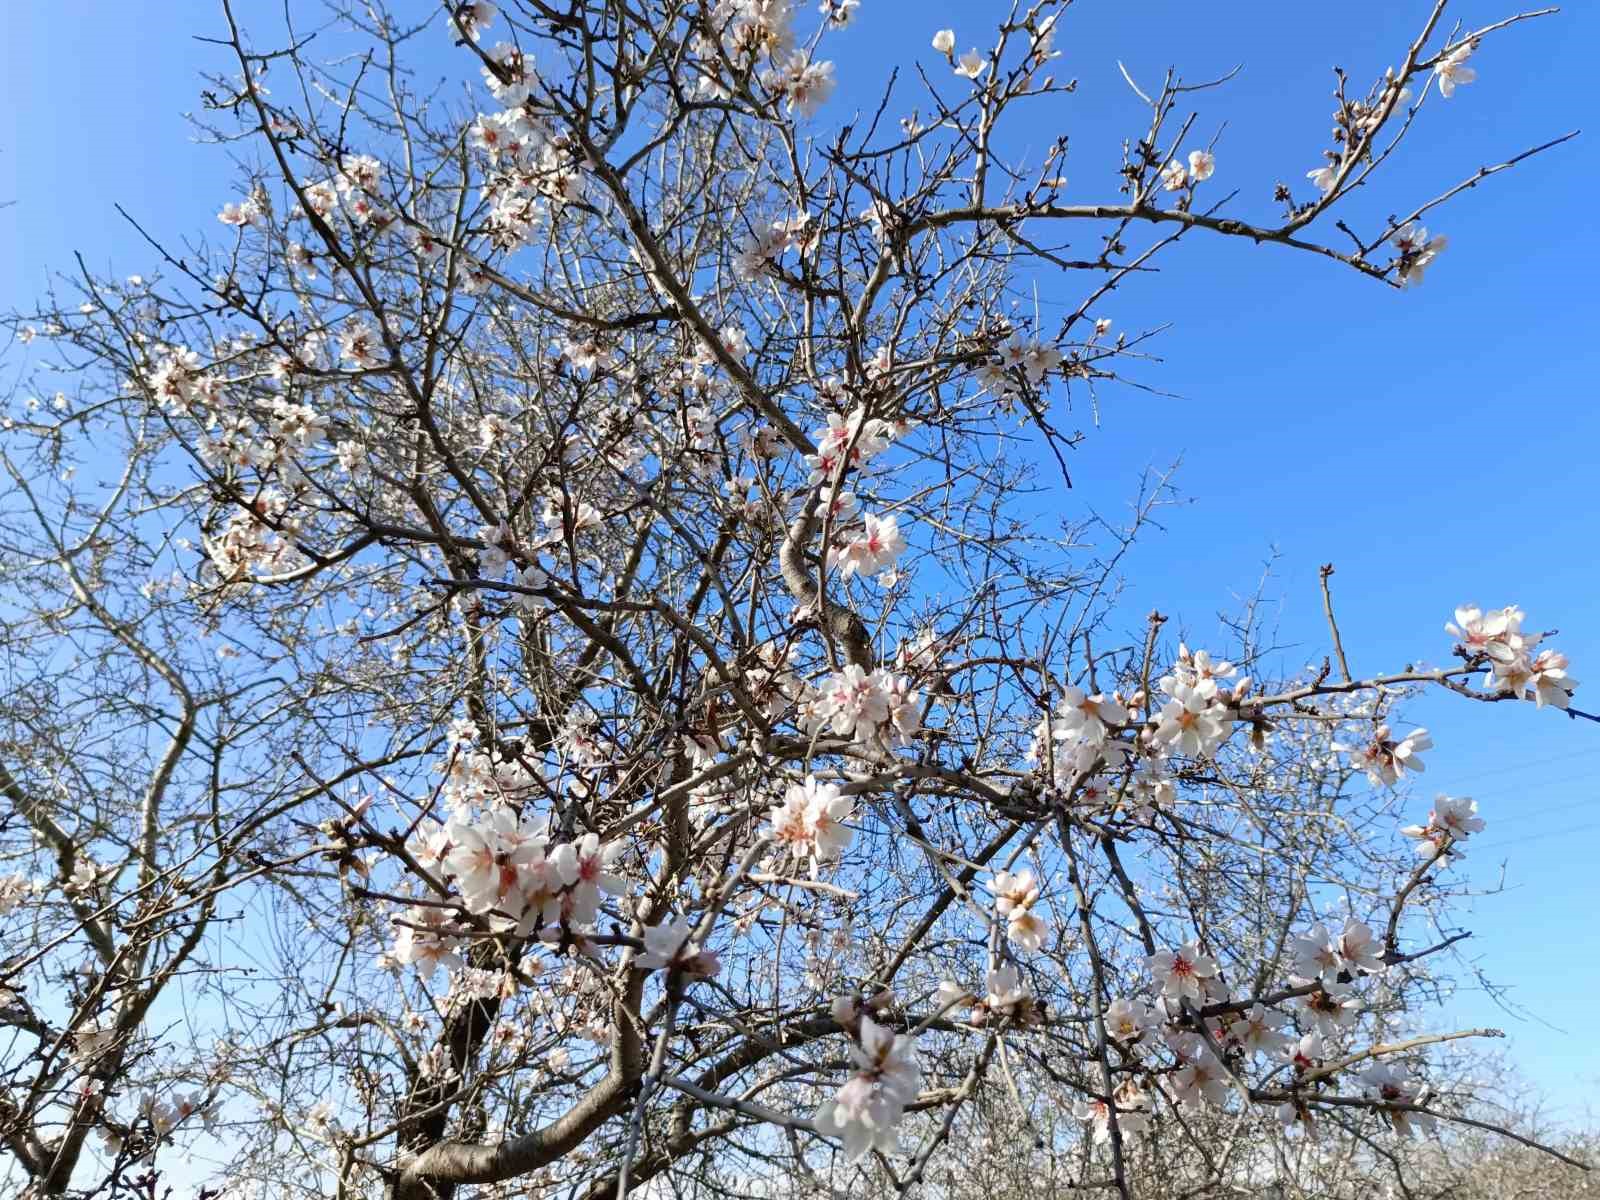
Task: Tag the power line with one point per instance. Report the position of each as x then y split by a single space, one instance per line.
1536 762
1535 837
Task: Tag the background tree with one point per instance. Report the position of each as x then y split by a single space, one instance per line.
572 679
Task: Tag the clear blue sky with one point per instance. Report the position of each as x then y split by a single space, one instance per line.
1432 444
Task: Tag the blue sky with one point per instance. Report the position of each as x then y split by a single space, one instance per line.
1432 444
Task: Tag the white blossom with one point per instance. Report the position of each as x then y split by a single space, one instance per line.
971 64
1452 71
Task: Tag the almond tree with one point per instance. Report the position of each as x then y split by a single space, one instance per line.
540 658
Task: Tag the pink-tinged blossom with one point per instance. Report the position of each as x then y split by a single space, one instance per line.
852 698
1543 679
587 353
426 941
1199 672
1033 358
592 876
1359 949
1180 972
879 708
838 508
1324 177
1417 251
1452 820
1392 1084
905 711
804 85
767 244
1304 1053
474 17
321 198
877 546
1496 633
809 824
1202 164
1550 681
428 845
1088 717
1331 1008
238 215
1004 994
1386 759
857 436
512 78
487 857
359 345
1132 1112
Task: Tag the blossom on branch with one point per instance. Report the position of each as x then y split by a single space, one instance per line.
866 1112
1182 972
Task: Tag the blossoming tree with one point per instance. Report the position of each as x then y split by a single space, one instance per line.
534 664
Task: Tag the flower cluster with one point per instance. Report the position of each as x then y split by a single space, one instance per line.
851 440
166 1115
766 245
1015 898
474 17
1132 1108
1019 361
876 708
1202 1078
1332 962
805 85
866 1112
1393 1085
1174 177
14 889
1003 997
1198 715
257 539
1080 734
1385 758
1497 638
503 866
181 385
875 547
1452 821
809 824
